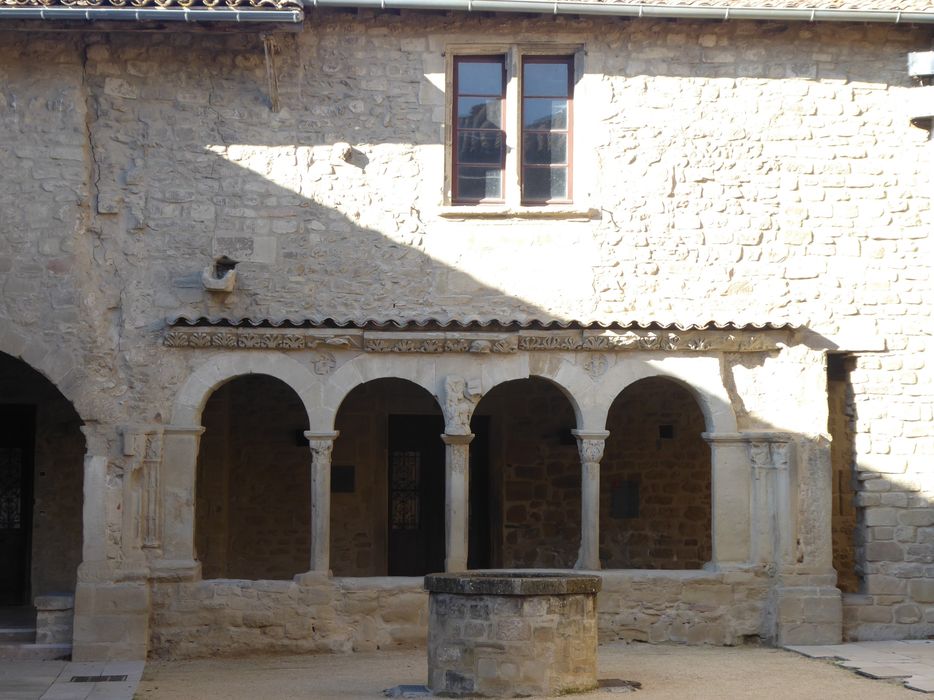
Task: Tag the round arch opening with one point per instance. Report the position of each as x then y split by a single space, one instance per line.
525 478
655 480
253 513
42 453
387 482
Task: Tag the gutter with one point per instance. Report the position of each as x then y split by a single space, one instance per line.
151 14
612 9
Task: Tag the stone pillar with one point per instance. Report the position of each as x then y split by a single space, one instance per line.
94 547
774 511
590 445
111 604
321 445
456 500
731 490
180 444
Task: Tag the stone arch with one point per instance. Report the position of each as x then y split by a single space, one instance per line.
656 479
559 380
55 363
525 453
363 369
222 367
693 374
380 424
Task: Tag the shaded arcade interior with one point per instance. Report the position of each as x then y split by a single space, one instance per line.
41 481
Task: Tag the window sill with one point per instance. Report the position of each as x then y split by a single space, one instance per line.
500 211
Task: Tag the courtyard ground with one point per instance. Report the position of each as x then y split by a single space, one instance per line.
665 671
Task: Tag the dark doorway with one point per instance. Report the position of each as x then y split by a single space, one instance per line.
416 495
17 431
480 529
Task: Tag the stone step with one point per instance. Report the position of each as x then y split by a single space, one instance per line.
17 635
34 652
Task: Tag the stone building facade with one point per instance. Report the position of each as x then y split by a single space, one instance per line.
706 375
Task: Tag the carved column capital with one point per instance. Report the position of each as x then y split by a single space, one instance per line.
321 444
591 444
459 400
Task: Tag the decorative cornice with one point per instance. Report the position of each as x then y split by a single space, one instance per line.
290 5
475 342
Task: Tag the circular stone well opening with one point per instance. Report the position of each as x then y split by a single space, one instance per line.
511 633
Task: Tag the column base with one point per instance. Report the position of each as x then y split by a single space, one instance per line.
807 615
111 621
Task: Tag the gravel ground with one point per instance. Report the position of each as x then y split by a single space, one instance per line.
664 672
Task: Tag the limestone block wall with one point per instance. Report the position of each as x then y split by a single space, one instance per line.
253 512
696 607
671 475
892 412
209 618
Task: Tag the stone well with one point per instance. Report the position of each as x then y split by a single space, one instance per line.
508 633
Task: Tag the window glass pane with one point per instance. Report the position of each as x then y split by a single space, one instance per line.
479 113
544 149
540 184
479 78
479 183
544 113
480 147
545 79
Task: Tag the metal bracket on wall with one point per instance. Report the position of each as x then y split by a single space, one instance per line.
270 49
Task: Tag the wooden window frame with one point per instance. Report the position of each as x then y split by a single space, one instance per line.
568 61
500 58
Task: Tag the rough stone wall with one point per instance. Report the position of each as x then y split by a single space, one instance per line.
695 607
672 530
892 415
359 520
57 479
210 618
534 461
254 516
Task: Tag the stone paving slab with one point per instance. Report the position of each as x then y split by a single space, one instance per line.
911 660
51 680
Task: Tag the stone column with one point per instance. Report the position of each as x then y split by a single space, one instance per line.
321 445
590 444
456 500
730 491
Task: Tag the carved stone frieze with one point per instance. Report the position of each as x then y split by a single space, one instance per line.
132 4
593 341
258 339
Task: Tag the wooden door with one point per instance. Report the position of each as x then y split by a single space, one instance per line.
17 428
416 495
